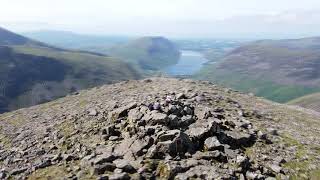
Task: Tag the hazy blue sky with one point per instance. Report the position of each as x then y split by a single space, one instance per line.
166 17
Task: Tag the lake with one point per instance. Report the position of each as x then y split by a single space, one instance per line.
190 62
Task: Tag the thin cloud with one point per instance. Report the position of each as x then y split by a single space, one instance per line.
163 17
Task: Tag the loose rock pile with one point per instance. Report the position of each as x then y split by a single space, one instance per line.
173 136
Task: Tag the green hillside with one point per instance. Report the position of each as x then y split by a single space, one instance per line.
311 101
33 73
278 70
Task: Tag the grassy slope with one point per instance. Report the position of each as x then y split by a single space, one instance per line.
85 63
260 87
277 70
311 101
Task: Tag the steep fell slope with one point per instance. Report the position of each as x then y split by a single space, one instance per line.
30 75
10 38
33 73
160 128
280 70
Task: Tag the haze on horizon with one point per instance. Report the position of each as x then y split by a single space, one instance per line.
172 18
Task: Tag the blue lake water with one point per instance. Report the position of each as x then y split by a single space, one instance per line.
190 62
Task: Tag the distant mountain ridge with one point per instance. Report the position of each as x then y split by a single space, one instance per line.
148 53
71 40
280 70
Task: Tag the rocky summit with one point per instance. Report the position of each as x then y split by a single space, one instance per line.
160 128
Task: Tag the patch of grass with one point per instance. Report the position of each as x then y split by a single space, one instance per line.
299 165
164 170
301 150
315 175
56 172
83 103
302 171
67 128
5 141
249 152
16 120
48 173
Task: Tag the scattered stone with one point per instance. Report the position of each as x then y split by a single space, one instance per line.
103 177
273 131
3 174
92 112
211 155
147 80
122 111
43 164
198 134
154 118
34 116
114 138
173 142
275 168
134 115
200 99
251 175
18 171
124 165
203 128
156 106
104 158
236 138
120 176
69 157
102 168
181 96
212 143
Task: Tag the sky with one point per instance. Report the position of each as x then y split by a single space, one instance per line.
176 18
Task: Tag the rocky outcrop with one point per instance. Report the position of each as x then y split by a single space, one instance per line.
182 134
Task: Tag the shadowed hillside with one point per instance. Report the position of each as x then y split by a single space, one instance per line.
33 73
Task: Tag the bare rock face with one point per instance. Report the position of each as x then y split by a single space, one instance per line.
141 130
